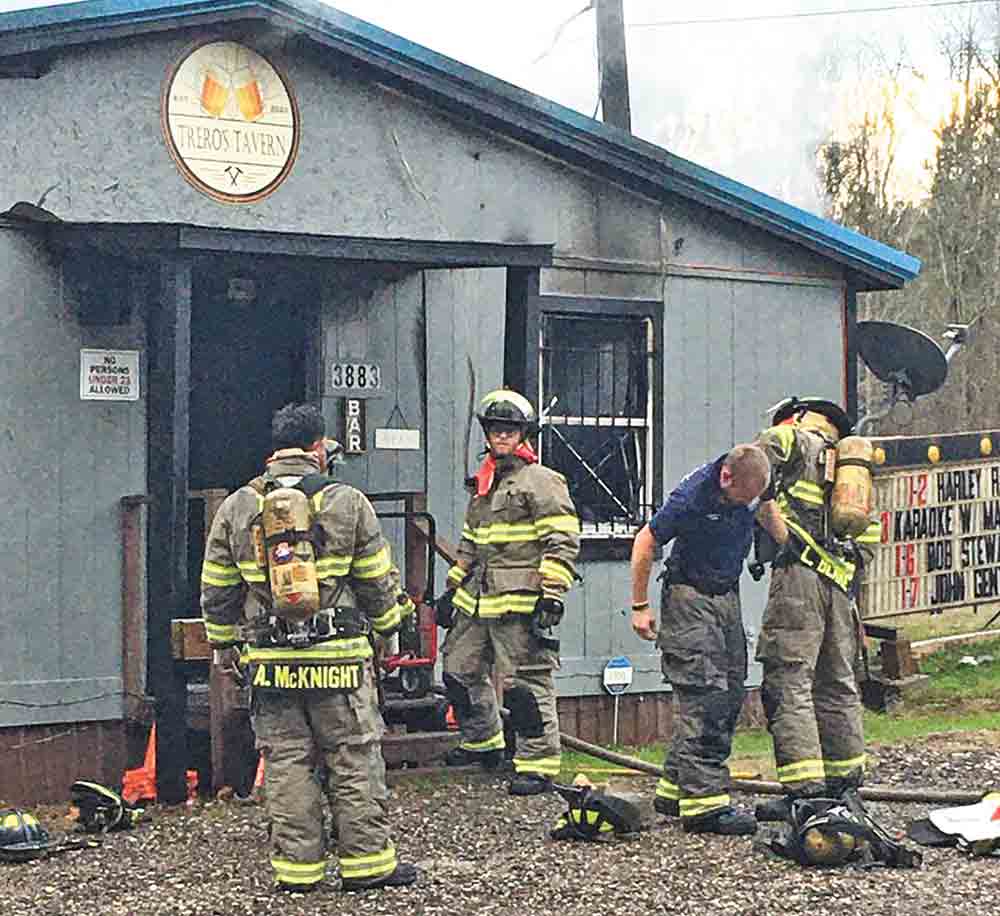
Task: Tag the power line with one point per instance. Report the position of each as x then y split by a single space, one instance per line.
772 17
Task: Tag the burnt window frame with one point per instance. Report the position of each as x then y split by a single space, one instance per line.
597 544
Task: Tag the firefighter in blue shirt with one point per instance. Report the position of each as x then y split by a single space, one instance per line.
709 517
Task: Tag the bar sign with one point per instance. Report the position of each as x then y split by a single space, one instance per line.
353 413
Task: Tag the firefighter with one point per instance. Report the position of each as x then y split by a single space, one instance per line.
312 674
809 638
516 559
709 517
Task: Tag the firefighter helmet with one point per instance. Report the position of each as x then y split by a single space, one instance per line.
792 407
102 809
507 406
826 846
21 836
594 815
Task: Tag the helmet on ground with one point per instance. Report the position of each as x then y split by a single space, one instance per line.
21 836
102 809
594 815
826 846
800 408
507 406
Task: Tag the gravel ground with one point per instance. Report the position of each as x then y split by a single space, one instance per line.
483 852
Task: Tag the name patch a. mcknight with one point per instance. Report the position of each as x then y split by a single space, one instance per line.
309 676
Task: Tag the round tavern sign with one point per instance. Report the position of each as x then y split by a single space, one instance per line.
230 121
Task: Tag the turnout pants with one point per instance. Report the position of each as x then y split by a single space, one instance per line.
475 645
808 644
705 659
294 729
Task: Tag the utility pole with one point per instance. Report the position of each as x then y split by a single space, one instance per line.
613 64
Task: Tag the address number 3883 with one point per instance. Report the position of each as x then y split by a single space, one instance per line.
363 376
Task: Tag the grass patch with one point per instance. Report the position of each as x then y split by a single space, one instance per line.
884 729
952 681
952 622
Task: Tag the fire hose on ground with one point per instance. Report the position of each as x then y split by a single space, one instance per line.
764 787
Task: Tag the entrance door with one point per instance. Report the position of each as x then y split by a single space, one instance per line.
250 324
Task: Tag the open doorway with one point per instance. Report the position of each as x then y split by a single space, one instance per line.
253 332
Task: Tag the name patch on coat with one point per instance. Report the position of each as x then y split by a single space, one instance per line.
307 675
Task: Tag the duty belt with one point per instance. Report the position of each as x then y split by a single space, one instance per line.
674 576
331 623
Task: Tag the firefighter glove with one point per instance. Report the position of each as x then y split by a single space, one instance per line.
548 612
444 610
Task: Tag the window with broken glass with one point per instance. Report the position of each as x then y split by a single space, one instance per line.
597 430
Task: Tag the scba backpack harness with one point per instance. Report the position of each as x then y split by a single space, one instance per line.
831 832
286 539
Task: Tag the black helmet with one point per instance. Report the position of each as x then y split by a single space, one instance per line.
507 406
593 815
102 809
833 412
21 836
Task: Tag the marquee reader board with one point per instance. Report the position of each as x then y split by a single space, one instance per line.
938 500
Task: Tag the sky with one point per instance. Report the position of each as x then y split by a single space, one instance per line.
751 99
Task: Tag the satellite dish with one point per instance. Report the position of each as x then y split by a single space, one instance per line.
905 357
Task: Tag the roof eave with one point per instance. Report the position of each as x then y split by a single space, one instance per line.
502 106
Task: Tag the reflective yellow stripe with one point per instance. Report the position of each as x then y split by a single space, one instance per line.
553 569
495 605
843 767
288 872
490 744
373 567
358 647
695 807
219 575
567 523
221 632
371 866
871 535
502 533
807 492
251 572
333 566
388 620
219 582
801 770
666 789
579 816
543 766
456 574
220 569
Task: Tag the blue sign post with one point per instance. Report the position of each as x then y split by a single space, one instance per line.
617 679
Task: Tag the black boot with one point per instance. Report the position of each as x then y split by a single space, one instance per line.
726 821
530 784
774 809
669 807
463 757
404 874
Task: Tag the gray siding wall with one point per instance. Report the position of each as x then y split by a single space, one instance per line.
373 162
376 315
465 319
736 340
66 465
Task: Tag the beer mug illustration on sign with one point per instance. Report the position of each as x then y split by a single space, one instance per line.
214 91
248 94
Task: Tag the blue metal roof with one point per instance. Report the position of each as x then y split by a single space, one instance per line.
493 102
